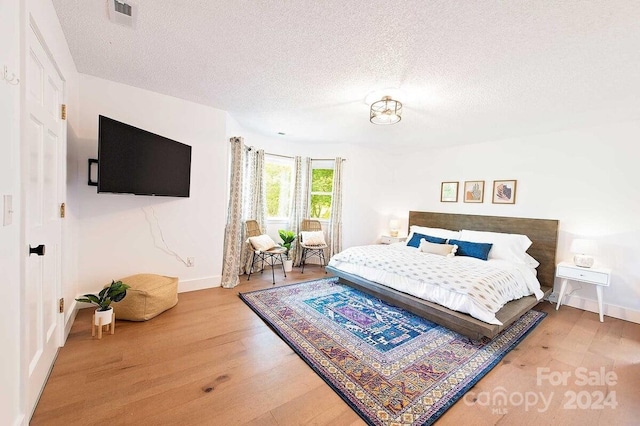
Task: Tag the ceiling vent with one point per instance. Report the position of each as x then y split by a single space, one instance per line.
122 13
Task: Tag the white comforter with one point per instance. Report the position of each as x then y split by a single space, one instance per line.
465 284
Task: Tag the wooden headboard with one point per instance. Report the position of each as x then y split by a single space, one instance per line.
542 232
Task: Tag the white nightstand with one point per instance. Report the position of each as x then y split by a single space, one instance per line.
600 277
387 239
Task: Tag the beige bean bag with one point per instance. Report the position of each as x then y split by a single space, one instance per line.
149 295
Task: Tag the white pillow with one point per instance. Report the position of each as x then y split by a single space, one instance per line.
510 247
434 232
313 238
262 242
448 250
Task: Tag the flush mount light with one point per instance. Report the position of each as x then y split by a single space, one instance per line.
385 111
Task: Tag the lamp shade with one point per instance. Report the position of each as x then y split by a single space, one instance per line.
394 225
583 246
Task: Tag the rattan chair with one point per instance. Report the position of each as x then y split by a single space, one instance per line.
271 256
311 250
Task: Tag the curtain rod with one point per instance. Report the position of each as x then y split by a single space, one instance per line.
287 156
277 155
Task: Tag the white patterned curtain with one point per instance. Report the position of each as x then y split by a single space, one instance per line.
234 229
254 200
295 216
246 201
303 199
335 227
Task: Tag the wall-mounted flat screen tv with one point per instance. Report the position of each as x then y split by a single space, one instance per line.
135 161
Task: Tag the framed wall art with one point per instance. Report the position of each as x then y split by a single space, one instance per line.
473 191
449 192
504 191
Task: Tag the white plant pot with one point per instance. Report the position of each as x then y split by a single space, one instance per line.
106 316
288 265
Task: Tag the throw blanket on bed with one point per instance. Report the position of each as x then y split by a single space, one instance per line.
488 284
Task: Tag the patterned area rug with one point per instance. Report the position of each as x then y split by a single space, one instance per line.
390 366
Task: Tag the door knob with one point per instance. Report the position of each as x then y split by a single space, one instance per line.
36 250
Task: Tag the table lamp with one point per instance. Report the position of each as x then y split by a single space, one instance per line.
583 251
394 225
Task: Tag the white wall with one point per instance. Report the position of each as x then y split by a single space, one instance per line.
118 234
587 179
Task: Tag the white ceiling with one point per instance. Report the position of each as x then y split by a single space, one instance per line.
466 71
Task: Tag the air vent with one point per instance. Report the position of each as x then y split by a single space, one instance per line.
122 8
122 13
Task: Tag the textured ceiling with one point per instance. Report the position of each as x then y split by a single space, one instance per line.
466 71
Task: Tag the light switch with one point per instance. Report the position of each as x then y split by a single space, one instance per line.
7 217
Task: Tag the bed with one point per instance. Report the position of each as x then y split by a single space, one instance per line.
543 235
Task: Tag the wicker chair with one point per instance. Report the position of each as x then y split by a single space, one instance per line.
271 256
309 250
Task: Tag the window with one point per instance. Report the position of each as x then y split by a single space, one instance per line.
279 186
279 175
321 189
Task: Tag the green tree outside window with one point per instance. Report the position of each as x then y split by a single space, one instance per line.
321 193
278 189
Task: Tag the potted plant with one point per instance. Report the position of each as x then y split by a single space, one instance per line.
114 292
287 237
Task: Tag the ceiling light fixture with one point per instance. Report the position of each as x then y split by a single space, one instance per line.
385 111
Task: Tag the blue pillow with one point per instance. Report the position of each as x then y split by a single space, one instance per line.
415 240
477 250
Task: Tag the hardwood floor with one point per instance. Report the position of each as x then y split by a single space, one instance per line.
211 361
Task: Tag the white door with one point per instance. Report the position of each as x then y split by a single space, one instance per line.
42 151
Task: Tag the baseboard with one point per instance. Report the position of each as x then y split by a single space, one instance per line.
199 284
69 322
608 309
